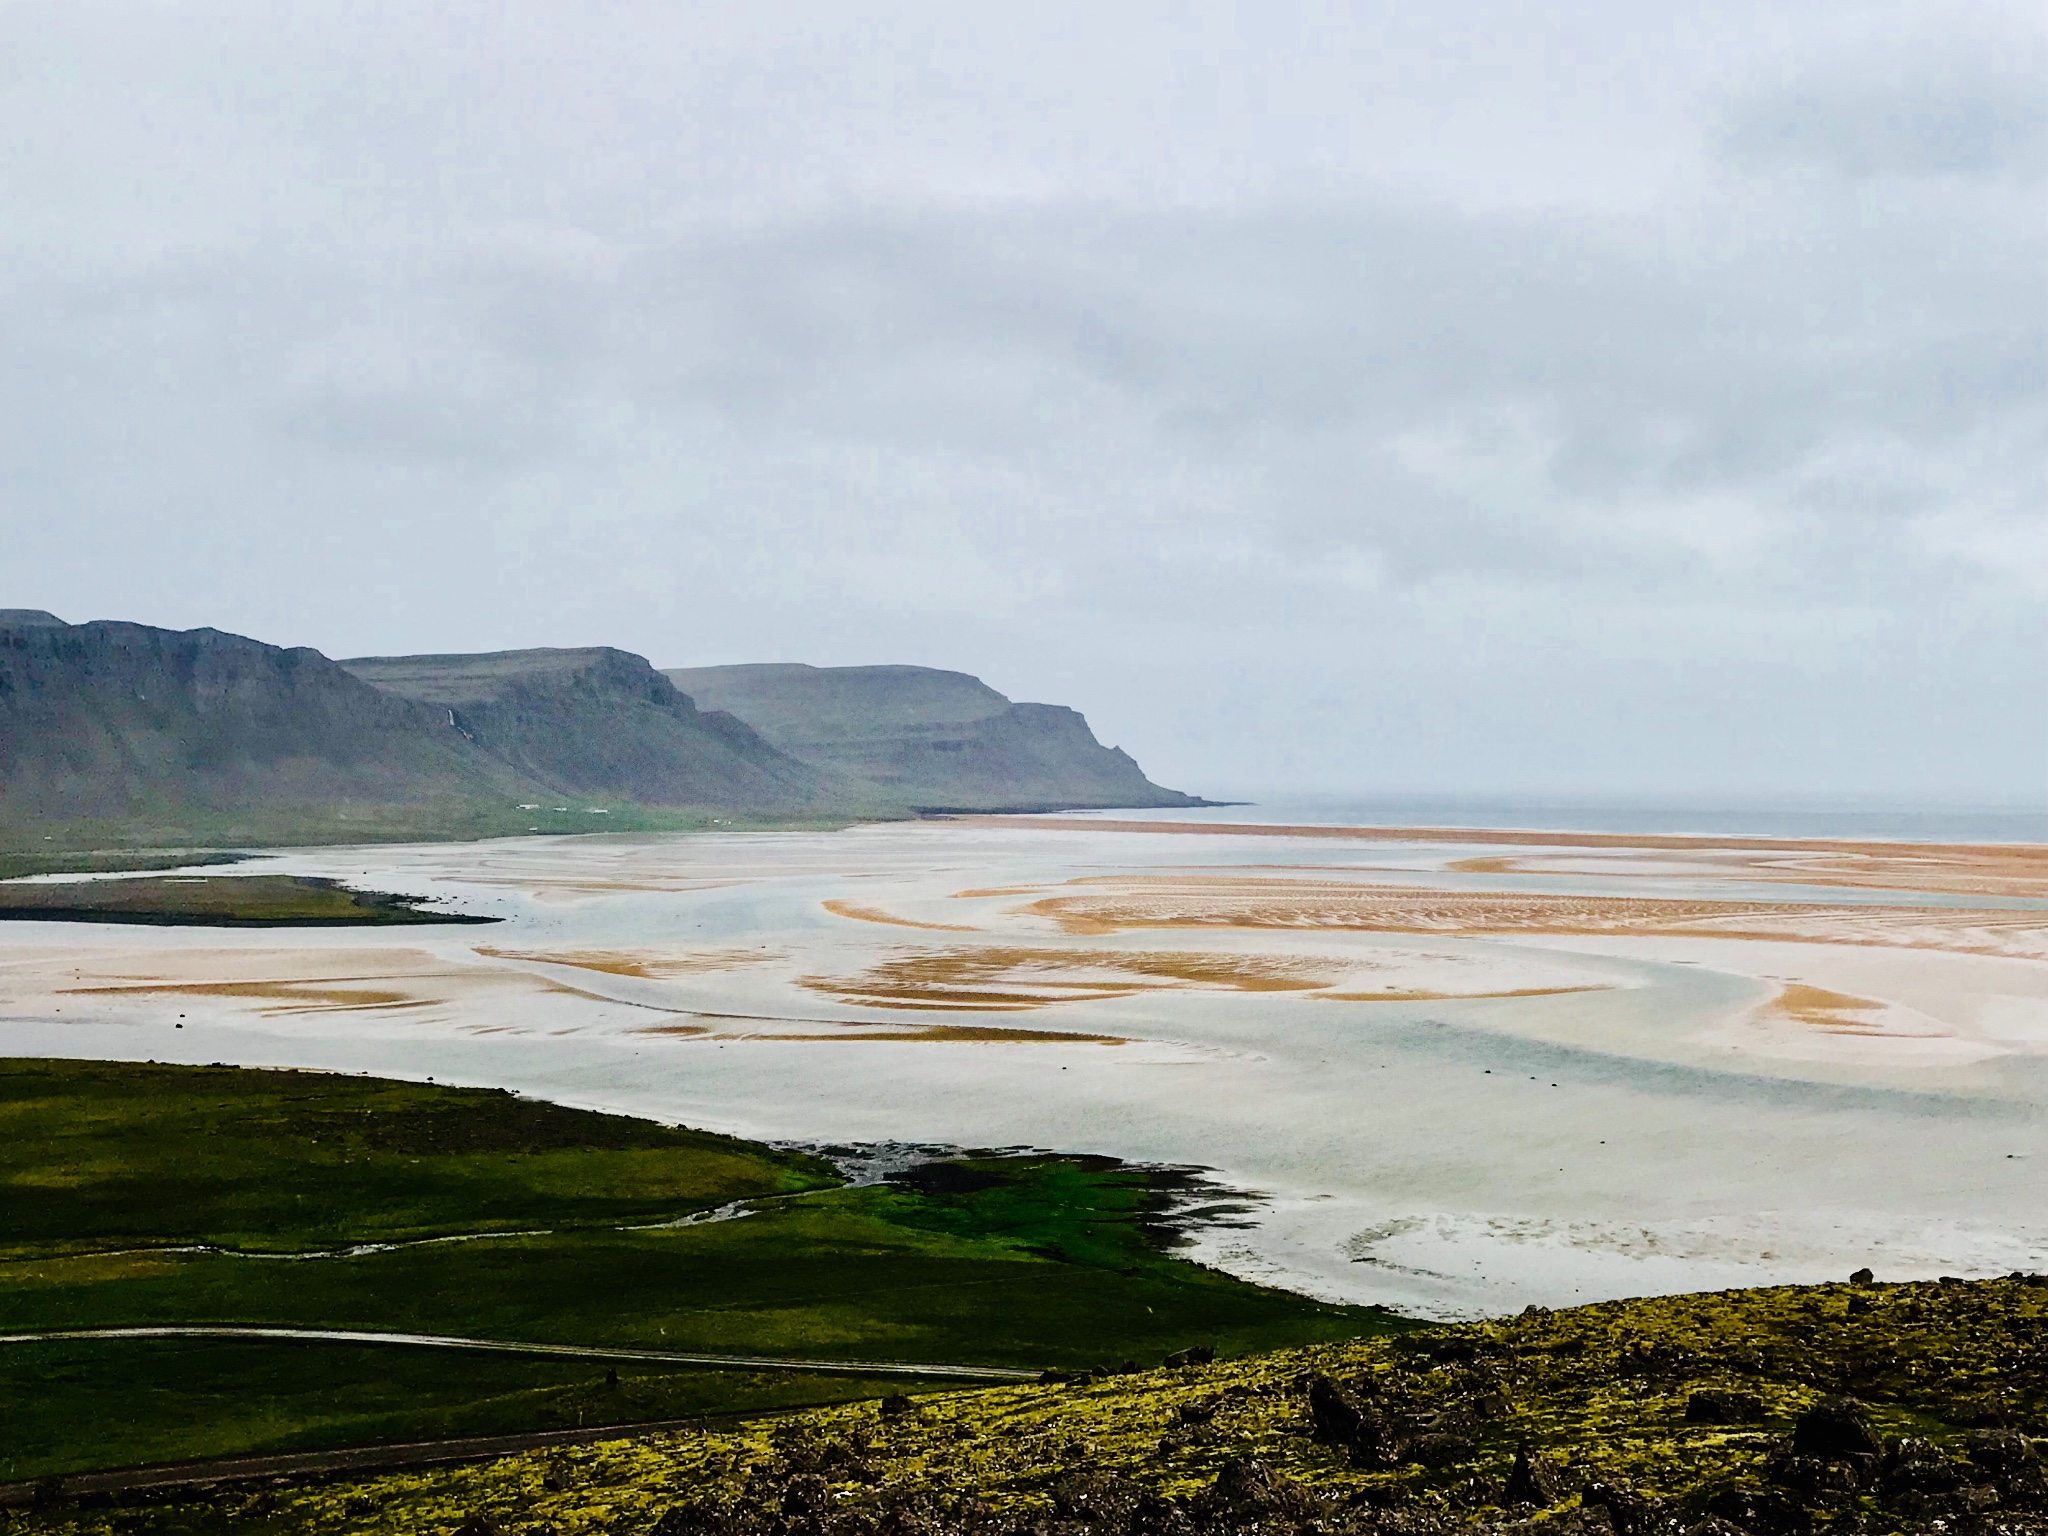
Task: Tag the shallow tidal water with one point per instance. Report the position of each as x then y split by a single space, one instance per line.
1448 1121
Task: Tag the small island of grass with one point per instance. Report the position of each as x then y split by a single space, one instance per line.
216 901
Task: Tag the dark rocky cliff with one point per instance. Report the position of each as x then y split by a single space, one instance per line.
928 738
118 722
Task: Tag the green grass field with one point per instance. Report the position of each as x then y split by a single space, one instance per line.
97 1155
107 1171
32 848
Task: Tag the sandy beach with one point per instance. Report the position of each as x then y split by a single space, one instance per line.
1461 1070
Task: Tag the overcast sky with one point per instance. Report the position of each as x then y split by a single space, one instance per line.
1587 399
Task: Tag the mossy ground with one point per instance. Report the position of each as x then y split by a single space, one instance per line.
1601 1390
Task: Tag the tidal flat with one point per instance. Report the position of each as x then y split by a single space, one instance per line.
1459 1071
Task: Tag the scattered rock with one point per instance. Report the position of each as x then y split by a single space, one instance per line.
1863 1277
687 1520
1976 1413
1199 1354
1920 1466
1248 1489
1440 1450
895 1405
1759 1511
1096 1498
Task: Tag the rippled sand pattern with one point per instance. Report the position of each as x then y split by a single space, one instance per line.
649 965
1119 903
862 914
998 979
1836 1012
289 997
1392 995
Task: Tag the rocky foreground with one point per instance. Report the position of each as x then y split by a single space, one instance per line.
1863 1407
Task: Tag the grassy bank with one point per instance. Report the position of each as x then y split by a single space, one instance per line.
114 1176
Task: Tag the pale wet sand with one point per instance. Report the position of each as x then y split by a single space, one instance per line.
1461 1088
1975 869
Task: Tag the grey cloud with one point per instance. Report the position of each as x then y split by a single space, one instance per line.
1948 114
767 340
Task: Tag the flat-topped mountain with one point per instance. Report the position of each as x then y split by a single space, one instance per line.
124 723
115 734
928 738
598 721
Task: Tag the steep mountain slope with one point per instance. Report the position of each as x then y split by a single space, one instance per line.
122 723
928 738
597 721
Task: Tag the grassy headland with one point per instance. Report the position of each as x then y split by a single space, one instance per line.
140 1196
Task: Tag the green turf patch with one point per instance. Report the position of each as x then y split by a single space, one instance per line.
104 1155
217 901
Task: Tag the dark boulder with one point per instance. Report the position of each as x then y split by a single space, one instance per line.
1340 1419
1835 1429
1199 1354
895 1404
1628 1512
1336 1414
806 1497
1717 1405
2000 1452
1247 1490
1533 1481
1863 1277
